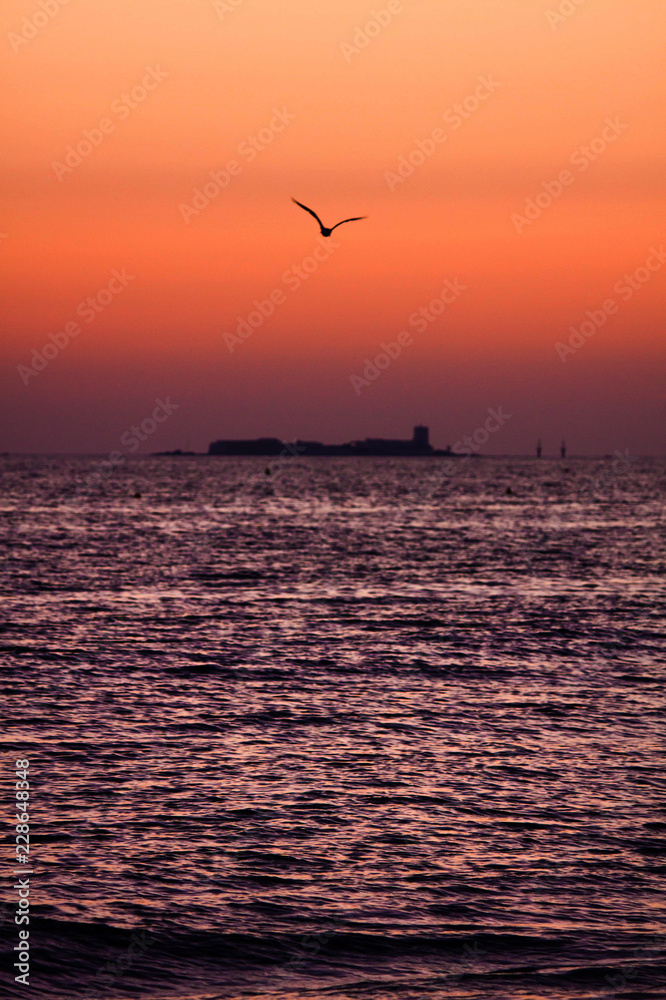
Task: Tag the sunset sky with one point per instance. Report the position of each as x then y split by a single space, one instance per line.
287 98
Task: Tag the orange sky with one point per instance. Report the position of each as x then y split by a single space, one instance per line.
216 74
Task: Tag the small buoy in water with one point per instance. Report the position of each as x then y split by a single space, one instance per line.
509 491
268 472
137 496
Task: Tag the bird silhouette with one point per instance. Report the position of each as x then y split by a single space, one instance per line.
324 230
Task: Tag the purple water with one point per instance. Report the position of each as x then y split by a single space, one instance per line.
351 728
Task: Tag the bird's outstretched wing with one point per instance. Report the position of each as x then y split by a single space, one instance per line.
310 211
357 218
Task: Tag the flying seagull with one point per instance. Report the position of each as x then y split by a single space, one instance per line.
324 230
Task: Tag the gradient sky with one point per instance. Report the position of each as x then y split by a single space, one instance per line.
226 68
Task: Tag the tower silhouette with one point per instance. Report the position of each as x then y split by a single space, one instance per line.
421 436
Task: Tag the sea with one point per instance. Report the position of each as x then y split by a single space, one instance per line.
335 728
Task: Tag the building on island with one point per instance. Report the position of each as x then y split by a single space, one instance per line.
418 444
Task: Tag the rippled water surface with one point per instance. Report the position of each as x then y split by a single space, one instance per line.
338 728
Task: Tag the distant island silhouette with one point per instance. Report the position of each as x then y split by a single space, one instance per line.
417 445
